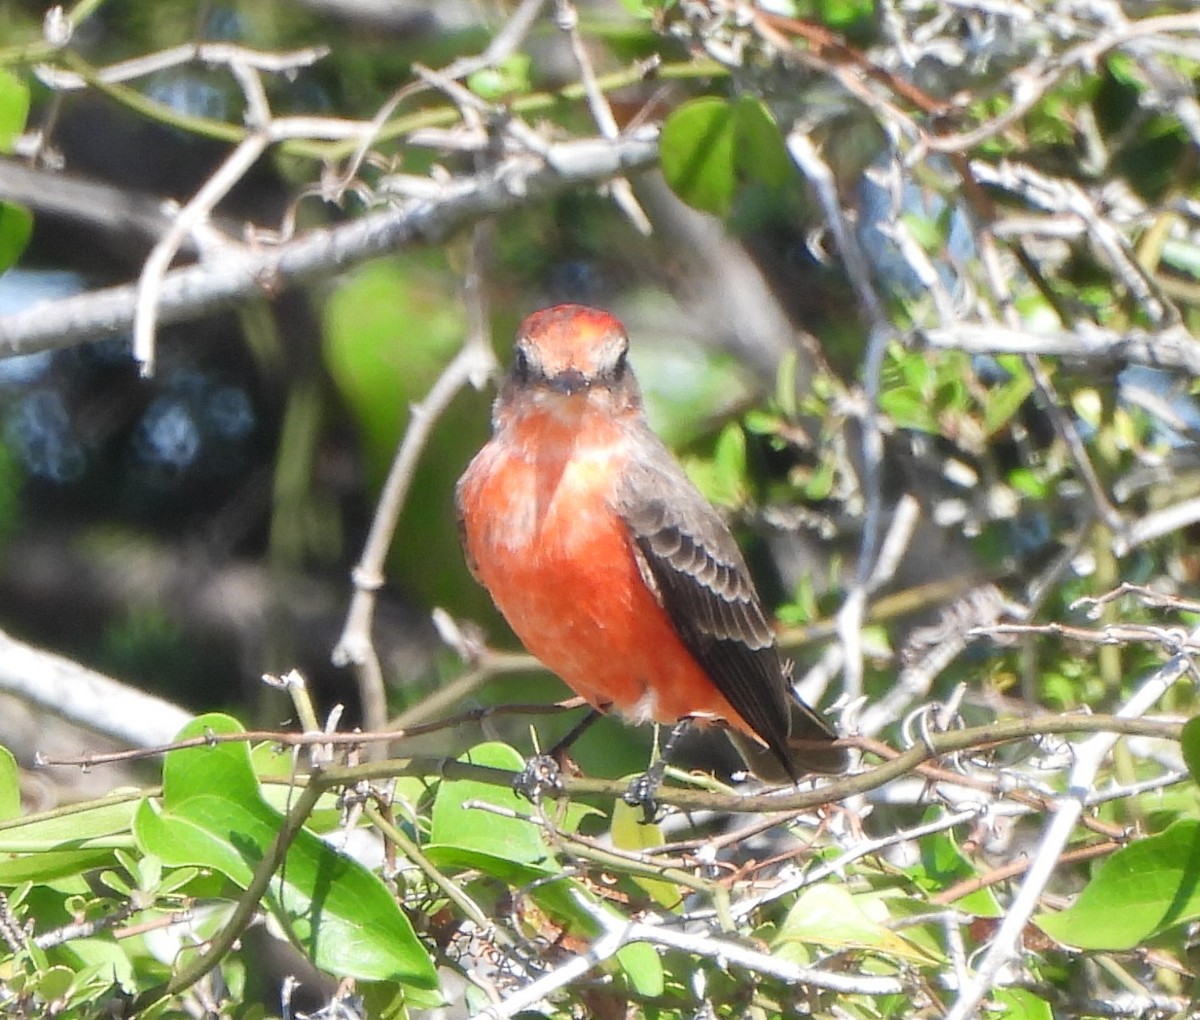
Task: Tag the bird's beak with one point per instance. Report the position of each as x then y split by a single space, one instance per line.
568 382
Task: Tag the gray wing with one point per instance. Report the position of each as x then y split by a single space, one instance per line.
691 562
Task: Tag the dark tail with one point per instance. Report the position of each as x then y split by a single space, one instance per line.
809 750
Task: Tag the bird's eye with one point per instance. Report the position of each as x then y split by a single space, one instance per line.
620 366
521 364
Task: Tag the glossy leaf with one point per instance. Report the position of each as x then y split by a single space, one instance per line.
828 915
1140 891
1019 1004
457 825
760 151
710 146
14 108
696 151
47 849
213 815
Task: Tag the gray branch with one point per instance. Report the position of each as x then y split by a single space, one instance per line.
239 272
1172 347
85 697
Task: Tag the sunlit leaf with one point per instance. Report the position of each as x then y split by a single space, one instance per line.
697 152
10 785
1143 889
212 815
1019 1004
828 915
14 108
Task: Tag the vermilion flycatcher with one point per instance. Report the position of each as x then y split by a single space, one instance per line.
608 563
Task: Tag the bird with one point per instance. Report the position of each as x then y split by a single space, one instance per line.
611 567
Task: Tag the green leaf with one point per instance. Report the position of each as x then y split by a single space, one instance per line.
942 865
1005 401
457 825
54 983
1028 483
628 833
828 915
16 227
640 9
1141 890
105 956
786 391
760 153
908 409
10 785
212 815
62 845
1019 1004
729 483
710 146
925 230
697 152
513 851
14 108
1190 744
722 478
509 77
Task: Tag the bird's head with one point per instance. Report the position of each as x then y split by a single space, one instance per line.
568 357
569 349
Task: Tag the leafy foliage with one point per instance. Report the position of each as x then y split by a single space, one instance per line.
971 499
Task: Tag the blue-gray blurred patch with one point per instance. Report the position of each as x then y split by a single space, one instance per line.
21 289
1166 399
38 430
886 192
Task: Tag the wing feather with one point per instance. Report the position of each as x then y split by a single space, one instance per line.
702 581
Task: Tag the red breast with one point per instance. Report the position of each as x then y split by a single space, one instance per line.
544 539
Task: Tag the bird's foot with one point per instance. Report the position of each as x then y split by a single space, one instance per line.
642 790
542 774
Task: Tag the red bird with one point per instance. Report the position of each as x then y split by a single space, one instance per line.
608 563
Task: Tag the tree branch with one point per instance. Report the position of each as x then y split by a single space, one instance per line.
243 272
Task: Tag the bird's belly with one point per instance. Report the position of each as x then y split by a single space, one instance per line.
563 572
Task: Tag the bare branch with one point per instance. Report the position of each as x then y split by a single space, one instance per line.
1171 348
87 698
473 364
197 290
1089 756
204 53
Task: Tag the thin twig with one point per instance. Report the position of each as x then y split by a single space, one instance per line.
1088 757
175 56
567 18
881 332
473 364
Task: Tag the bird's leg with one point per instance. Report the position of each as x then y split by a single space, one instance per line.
542 771
642 790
